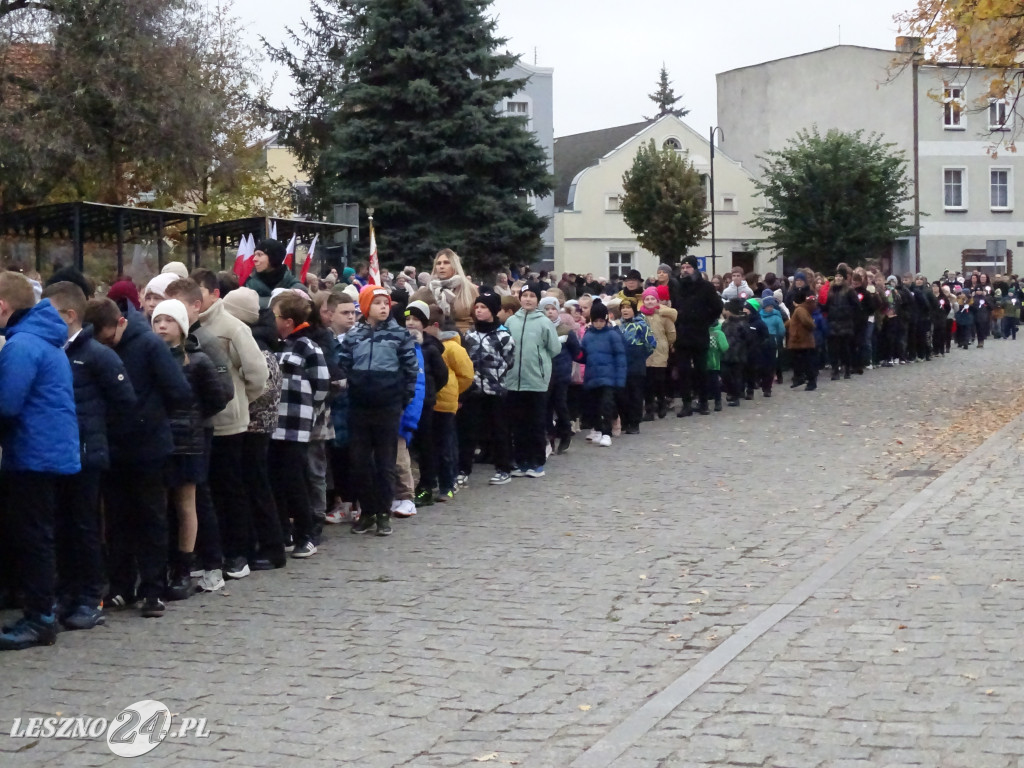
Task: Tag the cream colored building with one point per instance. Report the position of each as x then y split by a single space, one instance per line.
590 233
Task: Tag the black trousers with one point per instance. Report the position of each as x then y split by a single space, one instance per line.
341 472
841 348
599 408
289 479
712 386
484 418
208 551
424 448
266 535
805 365
559 423
732 379
526 413
921 339
655 387
136 506
692 366
575 401
82 576
938 336
373 448
225 482
630 400
30 501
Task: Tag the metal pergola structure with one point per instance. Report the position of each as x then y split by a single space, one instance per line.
82 222
225 235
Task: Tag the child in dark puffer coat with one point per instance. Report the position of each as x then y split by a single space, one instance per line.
760 370
734 358
559 424
604 354
640 344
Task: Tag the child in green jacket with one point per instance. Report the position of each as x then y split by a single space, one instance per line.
717 346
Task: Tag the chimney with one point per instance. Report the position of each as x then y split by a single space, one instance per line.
908 44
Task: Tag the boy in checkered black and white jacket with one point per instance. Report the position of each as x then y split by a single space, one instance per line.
305 382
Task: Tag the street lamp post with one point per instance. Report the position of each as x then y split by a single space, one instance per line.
714 257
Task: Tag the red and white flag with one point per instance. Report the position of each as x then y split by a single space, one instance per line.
309 260
289 254
273 230
374 261
239 268
248 244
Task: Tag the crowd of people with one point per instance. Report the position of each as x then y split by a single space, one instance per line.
155 443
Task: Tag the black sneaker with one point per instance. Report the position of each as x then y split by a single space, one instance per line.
304 549
631 430
266 564
29 632
153 608
718 405
364 524
563 445
83 617
384 525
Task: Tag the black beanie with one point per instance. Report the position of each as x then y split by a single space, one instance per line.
533 288
598 311
274 249
490 300
734 306
692 261
72 275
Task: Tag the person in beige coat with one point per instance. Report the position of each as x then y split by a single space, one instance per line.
249 373
662 319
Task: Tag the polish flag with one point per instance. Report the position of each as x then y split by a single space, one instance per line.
309 260
273 230
289 254
374 261
239 268
248 264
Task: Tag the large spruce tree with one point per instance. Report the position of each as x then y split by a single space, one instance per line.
413 126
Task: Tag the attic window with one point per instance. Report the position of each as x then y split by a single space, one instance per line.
672 143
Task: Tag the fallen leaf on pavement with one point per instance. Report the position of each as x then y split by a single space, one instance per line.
584 707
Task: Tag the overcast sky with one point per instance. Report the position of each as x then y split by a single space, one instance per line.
606 54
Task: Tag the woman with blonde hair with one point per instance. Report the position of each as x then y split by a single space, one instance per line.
450 289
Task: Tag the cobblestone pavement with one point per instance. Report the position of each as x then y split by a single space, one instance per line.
530 624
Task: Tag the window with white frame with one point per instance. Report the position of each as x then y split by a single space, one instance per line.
619 263
672 143
999 115
953 107
1000 189
518 108
954 189
729 203
612 203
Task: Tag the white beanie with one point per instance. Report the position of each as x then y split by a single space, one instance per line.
548 301
352 291
243 303
173 309
176 268
158 284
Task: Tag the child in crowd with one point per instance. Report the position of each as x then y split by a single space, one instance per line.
491 349
39 440
800 339
378 359
558 420
343 318
604 354
403 501
662 320
305 384
101 388
735 357
509 306
773 319
760 369
188 465
640 345
717 344
536 346
424 320
460 379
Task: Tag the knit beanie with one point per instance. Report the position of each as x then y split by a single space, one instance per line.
663 293
368 294
548 301
244 304
175 310
665 268
533 288
692 261
734 306
274 249
651 291
351 290
490 300
72 275
755 304
346 273
769 301
420 310
423 278
800 276
124 290
158 284
176 268
630 300
598 311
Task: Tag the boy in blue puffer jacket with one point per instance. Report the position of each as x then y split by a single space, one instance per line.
640 344
39 439
604 354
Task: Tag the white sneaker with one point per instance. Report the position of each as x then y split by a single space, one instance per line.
406 508
548 450
594 436
605 441
211 581
340 514
394 505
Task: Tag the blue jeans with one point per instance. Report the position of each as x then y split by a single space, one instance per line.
446 446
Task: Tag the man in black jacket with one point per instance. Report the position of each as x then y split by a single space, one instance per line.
102 388
698 306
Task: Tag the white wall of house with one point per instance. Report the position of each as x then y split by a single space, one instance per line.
593 237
